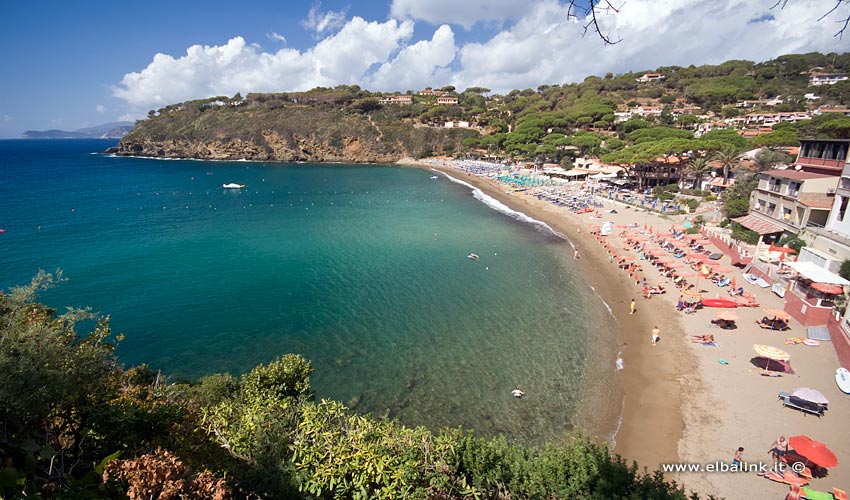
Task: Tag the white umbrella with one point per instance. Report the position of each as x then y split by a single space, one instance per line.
811 395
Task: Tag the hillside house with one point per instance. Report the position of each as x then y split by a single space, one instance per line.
818 79
433 92
650 77
659 172
447 100
397 99
457 124
833 240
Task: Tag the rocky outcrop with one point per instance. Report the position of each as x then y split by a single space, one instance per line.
271 147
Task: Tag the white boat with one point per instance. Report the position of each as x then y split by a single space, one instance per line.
434 177
233 185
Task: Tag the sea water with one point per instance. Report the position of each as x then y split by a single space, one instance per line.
363 270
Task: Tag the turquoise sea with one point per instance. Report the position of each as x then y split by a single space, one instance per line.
361 269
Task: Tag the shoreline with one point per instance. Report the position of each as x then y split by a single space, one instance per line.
651 423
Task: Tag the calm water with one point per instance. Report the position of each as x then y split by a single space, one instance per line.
361 269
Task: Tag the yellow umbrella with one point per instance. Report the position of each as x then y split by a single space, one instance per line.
770 352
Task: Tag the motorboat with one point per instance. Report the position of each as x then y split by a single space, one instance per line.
233 185
473 256
434 177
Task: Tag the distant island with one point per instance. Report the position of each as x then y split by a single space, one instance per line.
114 130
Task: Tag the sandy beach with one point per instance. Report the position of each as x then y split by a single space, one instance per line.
682 405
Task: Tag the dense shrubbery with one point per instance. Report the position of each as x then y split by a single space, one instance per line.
78 425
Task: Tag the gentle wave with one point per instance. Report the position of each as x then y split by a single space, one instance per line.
501 207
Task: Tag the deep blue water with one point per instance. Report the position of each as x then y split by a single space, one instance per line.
361 269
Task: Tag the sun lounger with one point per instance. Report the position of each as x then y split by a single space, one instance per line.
802 405
777 325
839 494
787 477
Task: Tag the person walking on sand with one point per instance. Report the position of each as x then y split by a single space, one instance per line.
632 307
656 335
575 254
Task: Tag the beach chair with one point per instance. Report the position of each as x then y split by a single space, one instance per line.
724 282
802 405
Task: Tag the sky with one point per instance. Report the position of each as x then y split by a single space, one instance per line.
68 65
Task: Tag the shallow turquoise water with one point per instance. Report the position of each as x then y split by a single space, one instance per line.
362 269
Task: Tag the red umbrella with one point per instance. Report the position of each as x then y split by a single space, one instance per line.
673 265
827 288
663 260
721 269
684 274
815 451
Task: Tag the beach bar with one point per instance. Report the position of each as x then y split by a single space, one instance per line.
812 293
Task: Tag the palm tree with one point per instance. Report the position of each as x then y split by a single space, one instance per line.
698 167
729 157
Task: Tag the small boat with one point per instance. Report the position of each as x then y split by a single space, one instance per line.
842 378
233 185
719 302
473 256
434 177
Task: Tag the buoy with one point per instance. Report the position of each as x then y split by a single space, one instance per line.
2 231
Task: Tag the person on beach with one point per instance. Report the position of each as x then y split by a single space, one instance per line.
680 304
737 460
702 339
656 335
517 392
575 254
632 307
779 448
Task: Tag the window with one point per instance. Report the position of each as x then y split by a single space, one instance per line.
842 212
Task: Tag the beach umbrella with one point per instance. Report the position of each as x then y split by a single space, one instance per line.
828 289
664 260
727 316
778 313
684 274
814 451
625 258
673 265
770 352
721 269
811 395
691 296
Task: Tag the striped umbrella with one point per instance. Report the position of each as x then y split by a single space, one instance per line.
770 352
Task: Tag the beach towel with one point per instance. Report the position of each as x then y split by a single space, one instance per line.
793 340
723 362
709 344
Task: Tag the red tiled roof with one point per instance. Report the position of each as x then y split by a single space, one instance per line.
815 200
758 225
795 174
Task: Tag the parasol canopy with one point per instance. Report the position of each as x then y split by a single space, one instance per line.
770 352
815 451
828 289
691 296
664 260
727 316
722 270
778 313
809 394
673 265
684 274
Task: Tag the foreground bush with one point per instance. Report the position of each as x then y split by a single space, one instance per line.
78 425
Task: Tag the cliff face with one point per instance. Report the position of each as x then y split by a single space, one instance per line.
281 127
272 148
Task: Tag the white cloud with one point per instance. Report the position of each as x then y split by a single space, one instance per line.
423 62
128 117
276 37
7 118
464 13
204 71
323 22
100 108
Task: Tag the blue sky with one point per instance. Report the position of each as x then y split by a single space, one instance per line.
69 65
